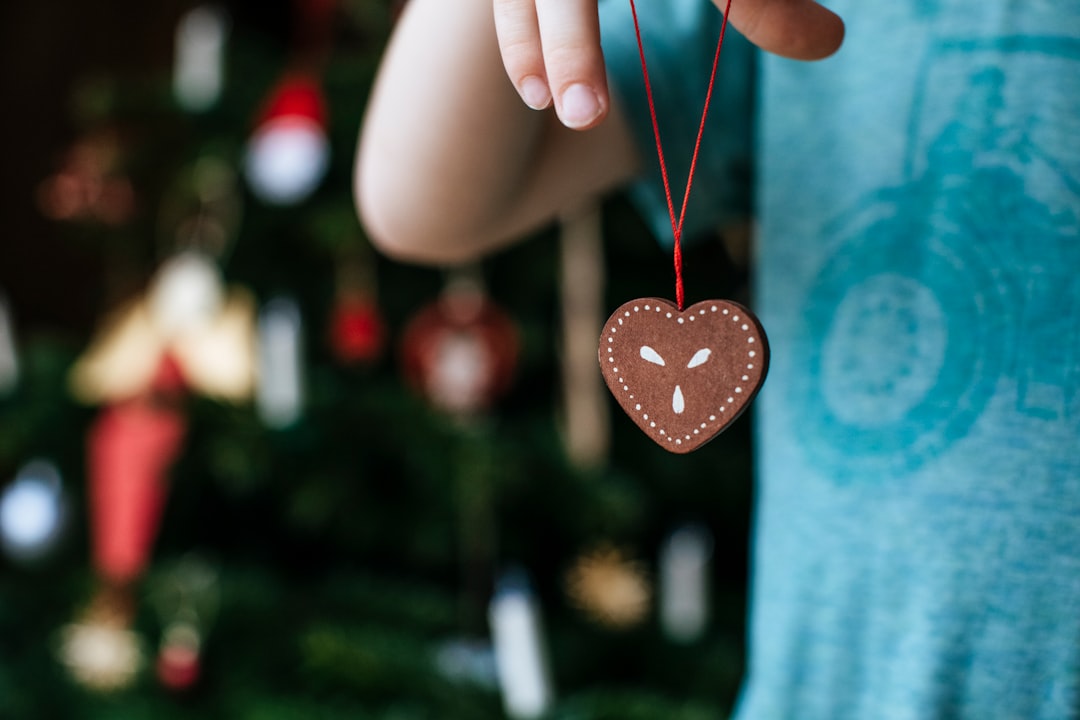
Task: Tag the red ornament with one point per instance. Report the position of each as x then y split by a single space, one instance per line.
179 661
460 352
131 447
357 333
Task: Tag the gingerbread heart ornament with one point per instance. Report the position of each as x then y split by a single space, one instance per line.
683 376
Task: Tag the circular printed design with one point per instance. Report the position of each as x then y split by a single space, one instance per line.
683 376
902 345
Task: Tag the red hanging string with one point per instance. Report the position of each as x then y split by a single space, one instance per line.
677 224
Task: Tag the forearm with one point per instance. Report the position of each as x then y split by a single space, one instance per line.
447 143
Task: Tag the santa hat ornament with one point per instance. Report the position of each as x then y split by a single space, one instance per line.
289 153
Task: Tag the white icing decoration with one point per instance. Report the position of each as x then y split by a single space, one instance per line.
650 355
699 358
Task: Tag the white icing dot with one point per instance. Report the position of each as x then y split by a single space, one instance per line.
669 314
714 308
752 353
680 321
620 322
745 378
745 327
692 318
678 442
627 313
734 318
657 308
611 359
645 416
697 432
687 437
725 311
611 339
637 407
646 307
611 349
615 370
731 399
750 366
712 417
625 387
652 424
663 433
637 309
750 340
613 330
703 426
738 389
703 312
722 409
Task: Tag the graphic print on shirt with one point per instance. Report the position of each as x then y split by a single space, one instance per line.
960 284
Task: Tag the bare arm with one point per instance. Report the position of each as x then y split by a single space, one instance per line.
452 164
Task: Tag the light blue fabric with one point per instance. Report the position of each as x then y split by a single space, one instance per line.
917 530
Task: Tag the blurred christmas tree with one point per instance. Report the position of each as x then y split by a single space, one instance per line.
292 479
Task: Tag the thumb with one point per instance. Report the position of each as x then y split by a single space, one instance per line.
797 29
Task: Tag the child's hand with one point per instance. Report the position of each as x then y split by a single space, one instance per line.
551 48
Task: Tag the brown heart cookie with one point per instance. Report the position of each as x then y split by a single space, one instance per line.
683 376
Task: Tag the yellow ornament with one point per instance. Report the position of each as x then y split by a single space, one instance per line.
609 587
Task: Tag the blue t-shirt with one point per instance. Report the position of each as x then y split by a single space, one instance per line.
917 198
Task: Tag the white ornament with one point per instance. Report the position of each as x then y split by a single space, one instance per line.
520 658
187 294
286 159
100 656
467 661
684 583
32 511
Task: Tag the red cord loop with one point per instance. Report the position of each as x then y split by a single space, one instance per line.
677 223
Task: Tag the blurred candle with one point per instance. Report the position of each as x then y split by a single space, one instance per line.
519 648
279 389
684 583
9 359
200 48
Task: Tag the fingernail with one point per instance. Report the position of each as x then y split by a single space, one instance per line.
579 106
534 92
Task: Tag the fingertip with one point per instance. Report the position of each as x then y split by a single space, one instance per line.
802 30
535 92
580 107
829 36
